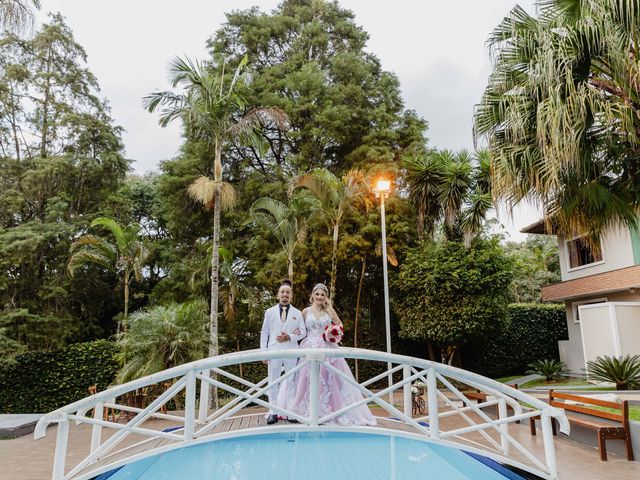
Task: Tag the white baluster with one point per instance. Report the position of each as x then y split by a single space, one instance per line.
62 438
190 405
432 401
96 431
406 390
314 391
204 397
504 427
549 449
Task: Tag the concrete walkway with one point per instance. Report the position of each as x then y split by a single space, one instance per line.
13 426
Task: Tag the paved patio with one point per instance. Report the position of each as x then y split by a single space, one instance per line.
26 459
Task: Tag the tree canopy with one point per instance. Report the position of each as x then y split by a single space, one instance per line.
452 295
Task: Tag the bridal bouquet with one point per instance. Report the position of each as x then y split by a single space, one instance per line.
333 333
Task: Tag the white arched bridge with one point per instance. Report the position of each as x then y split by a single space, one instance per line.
450 418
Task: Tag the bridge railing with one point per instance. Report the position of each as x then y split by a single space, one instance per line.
445 398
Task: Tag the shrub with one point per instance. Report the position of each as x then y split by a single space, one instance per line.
38 382
623 371
549 369
162 337
531 334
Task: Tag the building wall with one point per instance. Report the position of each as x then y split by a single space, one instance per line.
617 252
628 317
571 351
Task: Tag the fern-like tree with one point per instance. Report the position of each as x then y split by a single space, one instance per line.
337 196
125 255
213 109
162 337
287 222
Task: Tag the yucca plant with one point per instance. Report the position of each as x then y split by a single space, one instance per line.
623 371
549 369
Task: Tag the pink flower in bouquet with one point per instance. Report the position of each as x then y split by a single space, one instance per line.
333 333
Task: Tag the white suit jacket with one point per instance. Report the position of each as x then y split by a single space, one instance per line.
272 326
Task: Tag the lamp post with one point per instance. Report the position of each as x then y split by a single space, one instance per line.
381 190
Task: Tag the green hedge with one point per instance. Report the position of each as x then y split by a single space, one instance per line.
532 334
38 382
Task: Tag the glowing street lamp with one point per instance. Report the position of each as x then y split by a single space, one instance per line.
381 190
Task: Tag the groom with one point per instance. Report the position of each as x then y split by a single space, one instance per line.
282 329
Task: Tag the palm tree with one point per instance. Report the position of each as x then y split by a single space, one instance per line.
453 189
162 337
214 111
337 196
17 15
125 256
561 113
423 178
286 222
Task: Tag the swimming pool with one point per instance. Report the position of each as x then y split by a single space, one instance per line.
314 456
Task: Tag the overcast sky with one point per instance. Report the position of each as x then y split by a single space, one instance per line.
437 50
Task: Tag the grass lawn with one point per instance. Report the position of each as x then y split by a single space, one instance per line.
508 379
634 411
565 382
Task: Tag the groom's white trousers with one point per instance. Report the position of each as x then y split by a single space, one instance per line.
275 371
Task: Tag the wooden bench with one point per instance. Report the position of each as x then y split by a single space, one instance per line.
606 430
481 397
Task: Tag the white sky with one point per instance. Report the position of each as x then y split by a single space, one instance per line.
437 50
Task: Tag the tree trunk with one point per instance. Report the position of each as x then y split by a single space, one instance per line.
14 124
237 350
420 222
215 287
432 351
290 268
45 112
357 316
447 353
126 304
334 262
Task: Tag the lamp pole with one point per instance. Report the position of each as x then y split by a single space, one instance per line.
382 190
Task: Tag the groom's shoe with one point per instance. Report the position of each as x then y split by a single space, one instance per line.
271 419
292 420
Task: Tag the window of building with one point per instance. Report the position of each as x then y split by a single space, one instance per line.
581 254
575 305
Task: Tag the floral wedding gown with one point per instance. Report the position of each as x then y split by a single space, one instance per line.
335 393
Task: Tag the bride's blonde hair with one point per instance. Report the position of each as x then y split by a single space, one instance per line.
327 300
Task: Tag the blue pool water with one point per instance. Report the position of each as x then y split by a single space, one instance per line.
314 456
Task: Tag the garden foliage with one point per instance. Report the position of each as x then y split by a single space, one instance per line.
38 382
531 333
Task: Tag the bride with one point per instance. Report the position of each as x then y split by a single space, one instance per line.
334 392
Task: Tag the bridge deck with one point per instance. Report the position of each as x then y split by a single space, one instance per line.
27 459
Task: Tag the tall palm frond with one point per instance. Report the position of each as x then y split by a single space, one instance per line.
561 113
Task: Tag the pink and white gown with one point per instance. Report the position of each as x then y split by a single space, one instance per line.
335 393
